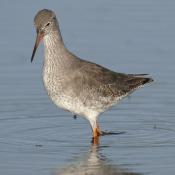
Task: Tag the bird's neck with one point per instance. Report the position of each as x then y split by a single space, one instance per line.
56 53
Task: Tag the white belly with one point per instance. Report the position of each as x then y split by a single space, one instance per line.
64 101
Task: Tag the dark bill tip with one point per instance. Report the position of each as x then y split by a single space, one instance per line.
33 54
39 37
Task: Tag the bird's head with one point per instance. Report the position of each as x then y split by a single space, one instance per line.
45 22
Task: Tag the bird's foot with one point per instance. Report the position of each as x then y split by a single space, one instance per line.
97 133
75 117
96 137
104 133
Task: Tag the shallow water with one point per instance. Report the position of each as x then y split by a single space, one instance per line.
127 36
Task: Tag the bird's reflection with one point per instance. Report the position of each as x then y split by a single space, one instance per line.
93 163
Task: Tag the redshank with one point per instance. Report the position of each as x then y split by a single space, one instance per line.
76 85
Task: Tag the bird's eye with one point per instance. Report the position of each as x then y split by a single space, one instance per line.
47 24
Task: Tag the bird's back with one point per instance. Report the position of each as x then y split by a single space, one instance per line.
107 83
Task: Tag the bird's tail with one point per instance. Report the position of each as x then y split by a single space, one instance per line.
137 81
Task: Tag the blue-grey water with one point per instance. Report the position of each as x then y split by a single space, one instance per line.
37 138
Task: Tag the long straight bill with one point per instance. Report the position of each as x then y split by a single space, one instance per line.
39 37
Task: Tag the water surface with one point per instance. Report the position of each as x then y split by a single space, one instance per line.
127 36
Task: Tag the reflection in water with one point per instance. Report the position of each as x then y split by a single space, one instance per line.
93 163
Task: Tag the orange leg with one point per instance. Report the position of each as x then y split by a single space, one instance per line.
96 134
96 131
95 141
